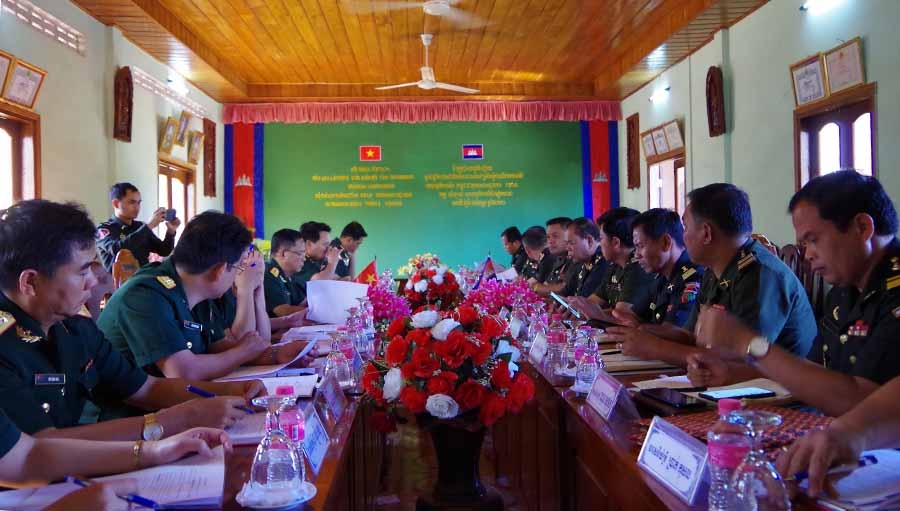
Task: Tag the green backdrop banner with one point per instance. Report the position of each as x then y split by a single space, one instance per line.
414 191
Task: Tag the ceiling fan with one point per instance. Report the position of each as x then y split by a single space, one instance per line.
428 81
440 8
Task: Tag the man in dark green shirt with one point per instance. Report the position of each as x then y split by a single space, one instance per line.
511 237
150 320
847 224
321 258
540 260
54 361
351 238
563 267
583 238
288 254
124 231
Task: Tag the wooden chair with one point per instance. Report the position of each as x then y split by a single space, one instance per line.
124 267
764 241
101 292
815 286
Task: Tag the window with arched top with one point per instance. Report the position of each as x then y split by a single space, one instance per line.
836 133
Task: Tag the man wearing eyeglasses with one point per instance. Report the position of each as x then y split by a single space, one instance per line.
149 318
288 255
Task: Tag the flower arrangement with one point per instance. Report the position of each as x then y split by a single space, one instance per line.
459 366
433 285
493 295
387 305
420 261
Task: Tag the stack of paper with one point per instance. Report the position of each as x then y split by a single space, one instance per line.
309 333
192 483
618 363
870 488
259 371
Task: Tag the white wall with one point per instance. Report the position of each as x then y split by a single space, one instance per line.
79 157
757 152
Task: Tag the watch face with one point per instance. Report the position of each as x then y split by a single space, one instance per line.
153 431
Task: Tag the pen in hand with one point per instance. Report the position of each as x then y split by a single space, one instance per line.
202 393
840 469
131 497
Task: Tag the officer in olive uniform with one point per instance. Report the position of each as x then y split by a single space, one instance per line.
539 269
342 270
148 318
352 236
589 277
216 315
673 301
760 289
310 267
630 284
279 289
47 377
859 333
320 254
124 231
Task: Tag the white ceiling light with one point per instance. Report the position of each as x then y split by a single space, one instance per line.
661 94
819 6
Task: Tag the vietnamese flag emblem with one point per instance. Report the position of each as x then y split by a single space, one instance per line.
370 153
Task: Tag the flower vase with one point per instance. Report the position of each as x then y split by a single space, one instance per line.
458 485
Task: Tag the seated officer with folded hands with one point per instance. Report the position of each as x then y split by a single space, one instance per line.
847 224
149 318
54 361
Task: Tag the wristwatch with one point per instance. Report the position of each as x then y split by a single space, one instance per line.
152 429
758 348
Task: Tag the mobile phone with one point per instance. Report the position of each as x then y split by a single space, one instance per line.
743 392
170 215
672 397
562 301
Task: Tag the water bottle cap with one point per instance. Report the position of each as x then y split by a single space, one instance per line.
341 329
556 317
727 406
284 390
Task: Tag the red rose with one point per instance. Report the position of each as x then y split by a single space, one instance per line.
369 378
442 383
413 399
466 315
470 394
382 422
479 349
397 327
500 375
521 392
420 336
492 409
408 371
424 365
396 351
453 351
430 273
492 326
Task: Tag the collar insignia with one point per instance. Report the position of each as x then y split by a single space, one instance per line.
166 281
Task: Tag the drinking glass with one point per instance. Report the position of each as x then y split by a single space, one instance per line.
278 465
756 485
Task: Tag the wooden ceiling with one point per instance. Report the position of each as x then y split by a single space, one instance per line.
320 50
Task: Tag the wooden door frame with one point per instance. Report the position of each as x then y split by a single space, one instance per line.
678 156
28 150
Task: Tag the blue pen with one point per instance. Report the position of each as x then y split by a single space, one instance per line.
864 461
131 497
203 393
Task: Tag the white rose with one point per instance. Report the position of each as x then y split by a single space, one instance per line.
438 279
393 383
441 270
442 406
421 286
425 319
409 285
443 329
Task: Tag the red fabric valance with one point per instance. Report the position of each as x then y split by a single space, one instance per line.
414 112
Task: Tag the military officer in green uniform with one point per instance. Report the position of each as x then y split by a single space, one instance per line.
150 320
288 254
847 224
562 270
511 237
352 236
540 260
54 361
321 258
626 281
124 231
583 238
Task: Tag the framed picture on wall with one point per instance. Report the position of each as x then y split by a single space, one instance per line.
647 142
195 146
183 122
23 83
808 78
6 61
168 137
673 135
659 140
843 66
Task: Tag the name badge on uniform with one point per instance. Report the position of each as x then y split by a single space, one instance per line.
190 325
50 379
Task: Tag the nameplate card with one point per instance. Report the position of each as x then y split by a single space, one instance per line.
538 349
315 440
331 399
604 394
674 458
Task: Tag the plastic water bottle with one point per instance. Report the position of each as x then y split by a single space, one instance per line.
727 445
291 418
556 340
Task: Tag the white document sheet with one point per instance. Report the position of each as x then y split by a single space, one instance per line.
255 372
196 482
874 487
309 333
329 300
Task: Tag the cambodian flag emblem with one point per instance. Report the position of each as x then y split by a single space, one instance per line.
473 151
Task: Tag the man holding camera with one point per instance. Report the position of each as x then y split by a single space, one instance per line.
123 230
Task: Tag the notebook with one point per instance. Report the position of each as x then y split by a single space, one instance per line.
192 483
870 488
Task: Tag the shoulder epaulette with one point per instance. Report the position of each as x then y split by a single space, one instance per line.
6 321
687 272
745 261
892 282
166 281
274 271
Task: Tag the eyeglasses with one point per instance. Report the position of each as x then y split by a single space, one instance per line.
298 254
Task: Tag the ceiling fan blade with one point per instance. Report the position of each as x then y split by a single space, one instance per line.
387 87
456 88
363 7
465 19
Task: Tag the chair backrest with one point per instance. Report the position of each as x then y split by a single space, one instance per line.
124 267
793 257
101 292
815 286
764 241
